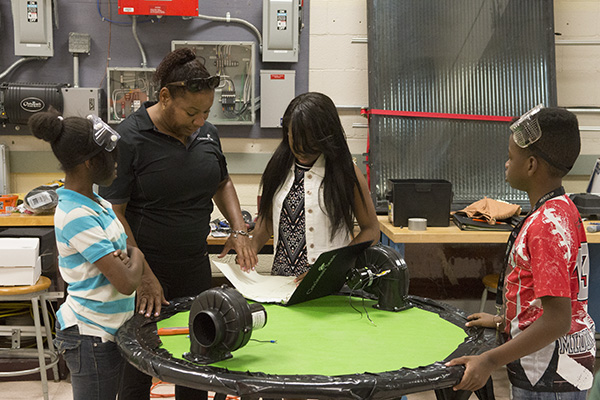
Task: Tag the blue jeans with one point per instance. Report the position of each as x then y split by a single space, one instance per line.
522 394
95 366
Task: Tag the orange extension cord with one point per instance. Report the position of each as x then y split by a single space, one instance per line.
167 395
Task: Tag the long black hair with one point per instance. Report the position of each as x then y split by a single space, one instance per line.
315 126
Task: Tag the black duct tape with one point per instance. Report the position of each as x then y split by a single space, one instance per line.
140 345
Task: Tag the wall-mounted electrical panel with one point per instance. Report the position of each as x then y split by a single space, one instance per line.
277 89
281 30
81 102
126 90
182 8
234 102
32 20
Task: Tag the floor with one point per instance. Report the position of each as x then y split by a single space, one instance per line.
32 390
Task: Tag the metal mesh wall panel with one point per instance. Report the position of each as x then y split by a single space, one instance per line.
481 57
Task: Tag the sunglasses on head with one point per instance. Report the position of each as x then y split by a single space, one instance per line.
198 84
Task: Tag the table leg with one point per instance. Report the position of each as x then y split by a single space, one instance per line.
385 240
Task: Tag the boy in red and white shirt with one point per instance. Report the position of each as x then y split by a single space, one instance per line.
551 345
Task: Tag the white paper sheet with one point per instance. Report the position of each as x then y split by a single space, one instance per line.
257 287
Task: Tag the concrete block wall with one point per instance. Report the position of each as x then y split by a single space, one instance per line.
578 71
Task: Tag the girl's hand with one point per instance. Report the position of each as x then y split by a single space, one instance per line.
299 278
123 256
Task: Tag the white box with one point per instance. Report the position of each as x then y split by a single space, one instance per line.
20 263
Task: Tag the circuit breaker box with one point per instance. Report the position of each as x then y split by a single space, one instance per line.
126 90
32 21
281 30
234 102
277 89
182 8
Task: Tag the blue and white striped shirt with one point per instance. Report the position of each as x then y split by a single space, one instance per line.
86 231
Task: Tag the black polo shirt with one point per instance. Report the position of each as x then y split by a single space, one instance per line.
168 186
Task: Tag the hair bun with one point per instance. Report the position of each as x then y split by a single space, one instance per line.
184 55
46 125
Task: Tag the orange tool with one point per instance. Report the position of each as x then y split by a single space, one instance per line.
174 331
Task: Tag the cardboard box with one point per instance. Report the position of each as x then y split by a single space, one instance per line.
419 198
20 263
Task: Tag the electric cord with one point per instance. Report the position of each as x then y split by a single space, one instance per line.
156 384
11 309
361 285
352 290
264 341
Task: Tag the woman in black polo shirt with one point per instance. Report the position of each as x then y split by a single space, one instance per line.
170 169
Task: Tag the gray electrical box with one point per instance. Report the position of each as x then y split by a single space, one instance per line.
33 27
281 30
79 43
81 102
277 89
234 102
126 89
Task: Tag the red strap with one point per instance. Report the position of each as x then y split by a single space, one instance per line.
415 114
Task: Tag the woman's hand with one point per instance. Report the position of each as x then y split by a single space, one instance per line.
246 255
150 297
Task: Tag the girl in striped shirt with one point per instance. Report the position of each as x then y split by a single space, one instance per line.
101 271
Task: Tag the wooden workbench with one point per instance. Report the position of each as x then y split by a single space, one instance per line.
451 234
16 219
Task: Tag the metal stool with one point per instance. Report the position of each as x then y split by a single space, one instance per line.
37 293
490 283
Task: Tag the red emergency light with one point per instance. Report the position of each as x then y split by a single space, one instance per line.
181 8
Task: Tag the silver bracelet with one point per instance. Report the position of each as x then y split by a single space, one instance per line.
236 233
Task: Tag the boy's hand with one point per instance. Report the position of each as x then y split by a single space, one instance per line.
482 319
477 372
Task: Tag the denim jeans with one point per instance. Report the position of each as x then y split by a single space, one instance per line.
522 394
95 366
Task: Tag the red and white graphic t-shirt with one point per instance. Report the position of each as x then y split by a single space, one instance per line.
550 258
